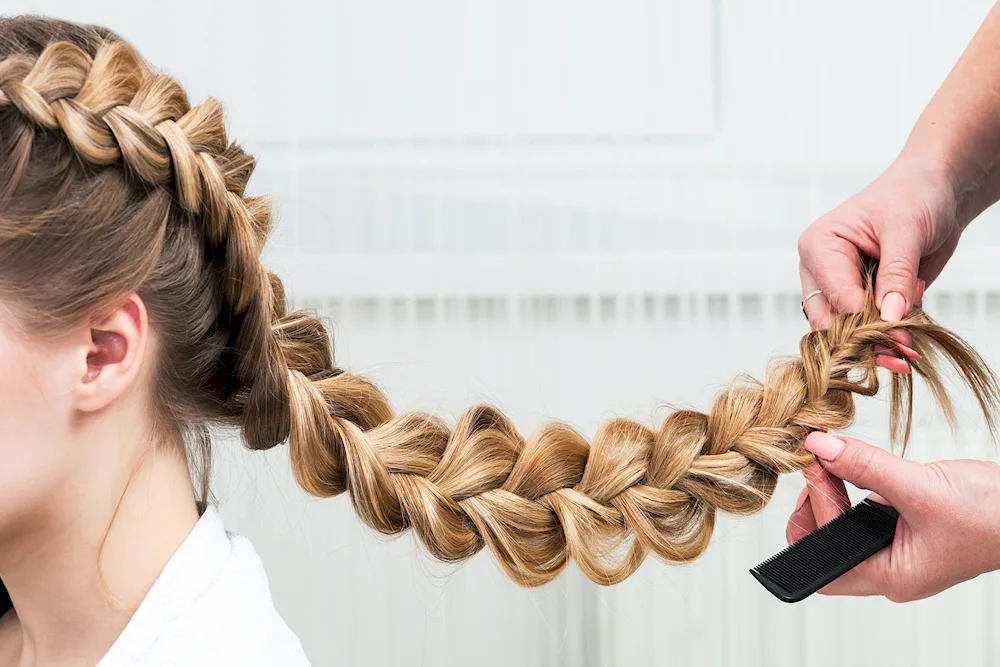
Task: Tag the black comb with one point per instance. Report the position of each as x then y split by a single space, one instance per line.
5 603
825 554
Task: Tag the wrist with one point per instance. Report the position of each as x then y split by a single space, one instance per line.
967 185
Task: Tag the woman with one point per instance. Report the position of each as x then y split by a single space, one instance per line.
911 218
118 343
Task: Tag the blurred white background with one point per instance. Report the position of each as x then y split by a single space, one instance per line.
573 209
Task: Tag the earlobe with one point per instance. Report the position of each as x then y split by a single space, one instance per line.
113 355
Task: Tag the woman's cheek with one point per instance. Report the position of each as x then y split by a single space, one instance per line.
31 435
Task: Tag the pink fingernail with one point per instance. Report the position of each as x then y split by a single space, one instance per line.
824 445
900 336
802 499
893 364
880 350
921 285
893 307
908 351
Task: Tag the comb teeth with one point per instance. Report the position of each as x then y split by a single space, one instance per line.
825 554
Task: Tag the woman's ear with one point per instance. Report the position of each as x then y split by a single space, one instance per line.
114 355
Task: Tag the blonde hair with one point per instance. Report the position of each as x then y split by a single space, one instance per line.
112 183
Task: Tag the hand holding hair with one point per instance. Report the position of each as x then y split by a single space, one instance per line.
911 217
906 219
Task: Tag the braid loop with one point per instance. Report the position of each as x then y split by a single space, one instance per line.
111 108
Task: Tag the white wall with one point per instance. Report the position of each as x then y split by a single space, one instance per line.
574 209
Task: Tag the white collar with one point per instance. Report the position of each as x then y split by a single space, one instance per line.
189 572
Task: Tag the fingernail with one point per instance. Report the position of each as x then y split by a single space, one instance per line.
824 445
908 351
900 336
921 285
893 307
880 350
802 498
893 364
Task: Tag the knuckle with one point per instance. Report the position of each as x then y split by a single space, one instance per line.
938 474
897 272
955 485
921 219
862 464
805 244
992 470
943 481
899 595
810 240
898 590
842 303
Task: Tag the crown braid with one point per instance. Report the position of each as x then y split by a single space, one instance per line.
113 109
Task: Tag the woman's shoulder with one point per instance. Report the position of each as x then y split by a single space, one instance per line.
212 605
234 618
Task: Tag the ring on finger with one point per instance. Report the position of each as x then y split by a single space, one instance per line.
802 304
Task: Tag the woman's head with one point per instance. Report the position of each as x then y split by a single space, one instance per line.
132 292
114 190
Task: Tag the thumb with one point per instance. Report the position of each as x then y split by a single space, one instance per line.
897 480
899 262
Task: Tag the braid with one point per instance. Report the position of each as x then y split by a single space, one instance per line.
538 502
162 182
111 108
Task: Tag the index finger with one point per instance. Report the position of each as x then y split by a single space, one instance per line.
827 493
814 305
828 499
835 263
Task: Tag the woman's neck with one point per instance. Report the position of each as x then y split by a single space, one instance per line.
67 608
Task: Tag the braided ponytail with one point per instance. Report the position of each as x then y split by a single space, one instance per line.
537 502
111 183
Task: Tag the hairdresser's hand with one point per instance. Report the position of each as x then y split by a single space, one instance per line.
907 220
949 524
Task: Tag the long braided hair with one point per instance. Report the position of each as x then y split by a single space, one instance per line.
112 183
